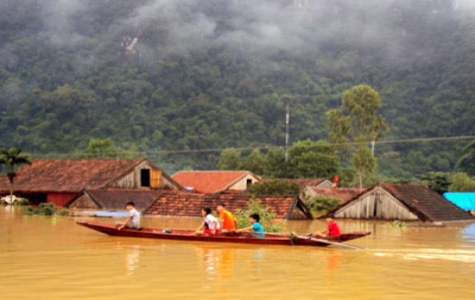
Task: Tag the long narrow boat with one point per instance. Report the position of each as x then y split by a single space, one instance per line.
188 235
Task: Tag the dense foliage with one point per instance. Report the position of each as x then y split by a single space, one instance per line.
275 187
159 76
322 203
267 217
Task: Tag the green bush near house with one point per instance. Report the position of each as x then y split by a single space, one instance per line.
267 218
21 201
322 203
46 209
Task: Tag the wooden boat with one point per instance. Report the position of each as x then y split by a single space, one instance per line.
232 237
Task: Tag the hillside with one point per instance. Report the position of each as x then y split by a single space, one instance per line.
189 74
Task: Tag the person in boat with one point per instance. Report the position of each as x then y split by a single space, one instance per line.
210 224
133 221
227 219
256 228
332 229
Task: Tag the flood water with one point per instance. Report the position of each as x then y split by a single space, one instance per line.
45 257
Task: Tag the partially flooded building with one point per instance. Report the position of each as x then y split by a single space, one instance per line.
386 201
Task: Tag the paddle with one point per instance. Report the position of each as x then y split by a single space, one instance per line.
329 242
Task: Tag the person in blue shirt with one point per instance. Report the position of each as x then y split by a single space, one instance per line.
256 227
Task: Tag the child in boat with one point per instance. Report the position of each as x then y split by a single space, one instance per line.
210 224
133 221
228 222
256 227
332 229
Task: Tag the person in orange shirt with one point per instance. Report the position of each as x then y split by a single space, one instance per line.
228 222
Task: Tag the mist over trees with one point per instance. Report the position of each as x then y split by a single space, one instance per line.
166 75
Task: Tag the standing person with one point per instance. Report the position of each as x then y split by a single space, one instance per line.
228 222
256 227
210 224
133 221
332 229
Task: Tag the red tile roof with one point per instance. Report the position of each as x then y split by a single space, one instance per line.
69 175
189 204
344 194
208 182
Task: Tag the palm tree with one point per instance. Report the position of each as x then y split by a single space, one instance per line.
12 158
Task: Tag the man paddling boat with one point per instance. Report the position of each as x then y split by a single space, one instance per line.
332 229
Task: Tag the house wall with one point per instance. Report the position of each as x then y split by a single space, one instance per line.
84 201
378 204
59 198
241 185
132 180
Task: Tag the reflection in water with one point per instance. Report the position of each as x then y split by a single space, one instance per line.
217 263
468 233
132 259
333 261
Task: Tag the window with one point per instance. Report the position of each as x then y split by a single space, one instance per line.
145 177
248 182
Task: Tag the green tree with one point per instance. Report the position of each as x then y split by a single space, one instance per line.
357 121
11 158
364 163
100 148
255 162
230 159
466 161
310 159
462 182
276 166
437 181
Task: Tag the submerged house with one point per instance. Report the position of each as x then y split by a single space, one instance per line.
213 182
58 180
113 199
386 201
342 194
171 203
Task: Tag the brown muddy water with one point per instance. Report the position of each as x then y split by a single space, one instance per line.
53 258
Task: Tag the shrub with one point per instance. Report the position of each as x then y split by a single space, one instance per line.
47 209
267 218
275 187
21 201
322 203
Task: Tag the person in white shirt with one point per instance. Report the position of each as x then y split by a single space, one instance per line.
133 221
210 225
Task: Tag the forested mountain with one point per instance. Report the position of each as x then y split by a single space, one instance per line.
200 74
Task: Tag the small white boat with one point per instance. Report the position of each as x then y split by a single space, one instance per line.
9 200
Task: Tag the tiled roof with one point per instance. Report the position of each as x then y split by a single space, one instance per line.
426 203
117 198
208 182
189 204
69 175
345 194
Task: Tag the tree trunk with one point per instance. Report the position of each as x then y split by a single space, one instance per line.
361 179
11 192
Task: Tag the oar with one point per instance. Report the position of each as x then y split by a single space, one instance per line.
329 242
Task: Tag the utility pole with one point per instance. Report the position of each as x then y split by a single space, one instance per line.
287 130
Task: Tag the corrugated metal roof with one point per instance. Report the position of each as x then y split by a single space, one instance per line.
464 200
